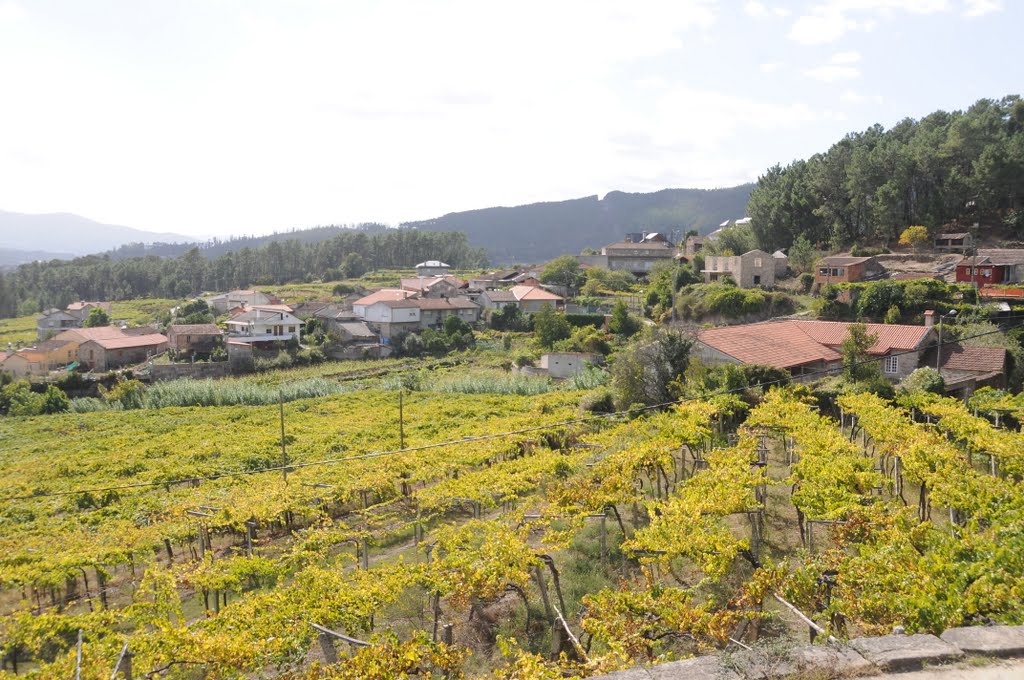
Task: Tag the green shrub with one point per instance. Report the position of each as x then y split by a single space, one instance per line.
601 401
583 320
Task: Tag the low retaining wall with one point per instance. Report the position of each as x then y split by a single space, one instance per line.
861 656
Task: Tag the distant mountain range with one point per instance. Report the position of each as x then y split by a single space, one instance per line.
25 237
541 231
526 233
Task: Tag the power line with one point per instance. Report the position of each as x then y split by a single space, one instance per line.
464 440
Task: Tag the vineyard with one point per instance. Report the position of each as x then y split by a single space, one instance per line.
374 533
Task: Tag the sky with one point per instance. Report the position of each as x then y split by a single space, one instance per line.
212 118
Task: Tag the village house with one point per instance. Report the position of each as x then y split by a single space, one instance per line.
691 246
77 336
355 332
846 269
389 317
964 368
225 302
961 242
40 359
104 354
781 264
532 299
529 299
752 268
505 279
432 268
637 253
805 347
54 321
264 323
568 364
991 266
497 299
200 339
432 286
359 306
433 311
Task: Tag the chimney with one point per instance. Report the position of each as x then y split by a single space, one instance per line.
929 318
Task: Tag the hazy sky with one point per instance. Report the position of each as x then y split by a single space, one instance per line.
216 117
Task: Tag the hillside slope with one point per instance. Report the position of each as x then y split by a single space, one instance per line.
72 234
541 231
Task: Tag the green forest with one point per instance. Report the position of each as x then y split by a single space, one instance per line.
40 285
945 170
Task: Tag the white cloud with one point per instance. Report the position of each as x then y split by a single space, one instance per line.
840 66
851 57
854 97
979 8
830 20
759 10
770 67
831 73
756 9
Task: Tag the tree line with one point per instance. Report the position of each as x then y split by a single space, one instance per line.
944 170
41 285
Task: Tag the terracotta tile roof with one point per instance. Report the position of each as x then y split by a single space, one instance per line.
400 304
500 296
51 345
445 303
86 334
422 283
357 329
891 336
533 293
957 357
194 329
772 343
792 342
132 341
82 304
382 295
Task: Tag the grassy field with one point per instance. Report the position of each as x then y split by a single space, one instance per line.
18 332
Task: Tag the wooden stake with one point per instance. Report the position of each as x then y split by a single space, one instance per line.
78 656
284 451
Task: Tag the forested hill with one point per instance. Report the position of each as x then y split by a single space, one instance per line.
541 231
945 171
39 285
215 247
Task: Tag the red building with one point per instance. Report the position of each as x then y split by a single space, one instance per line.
982 271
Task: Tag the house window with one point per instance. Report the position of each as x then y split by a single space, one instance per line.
892 364
757 280
757 262
291 329
986 272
